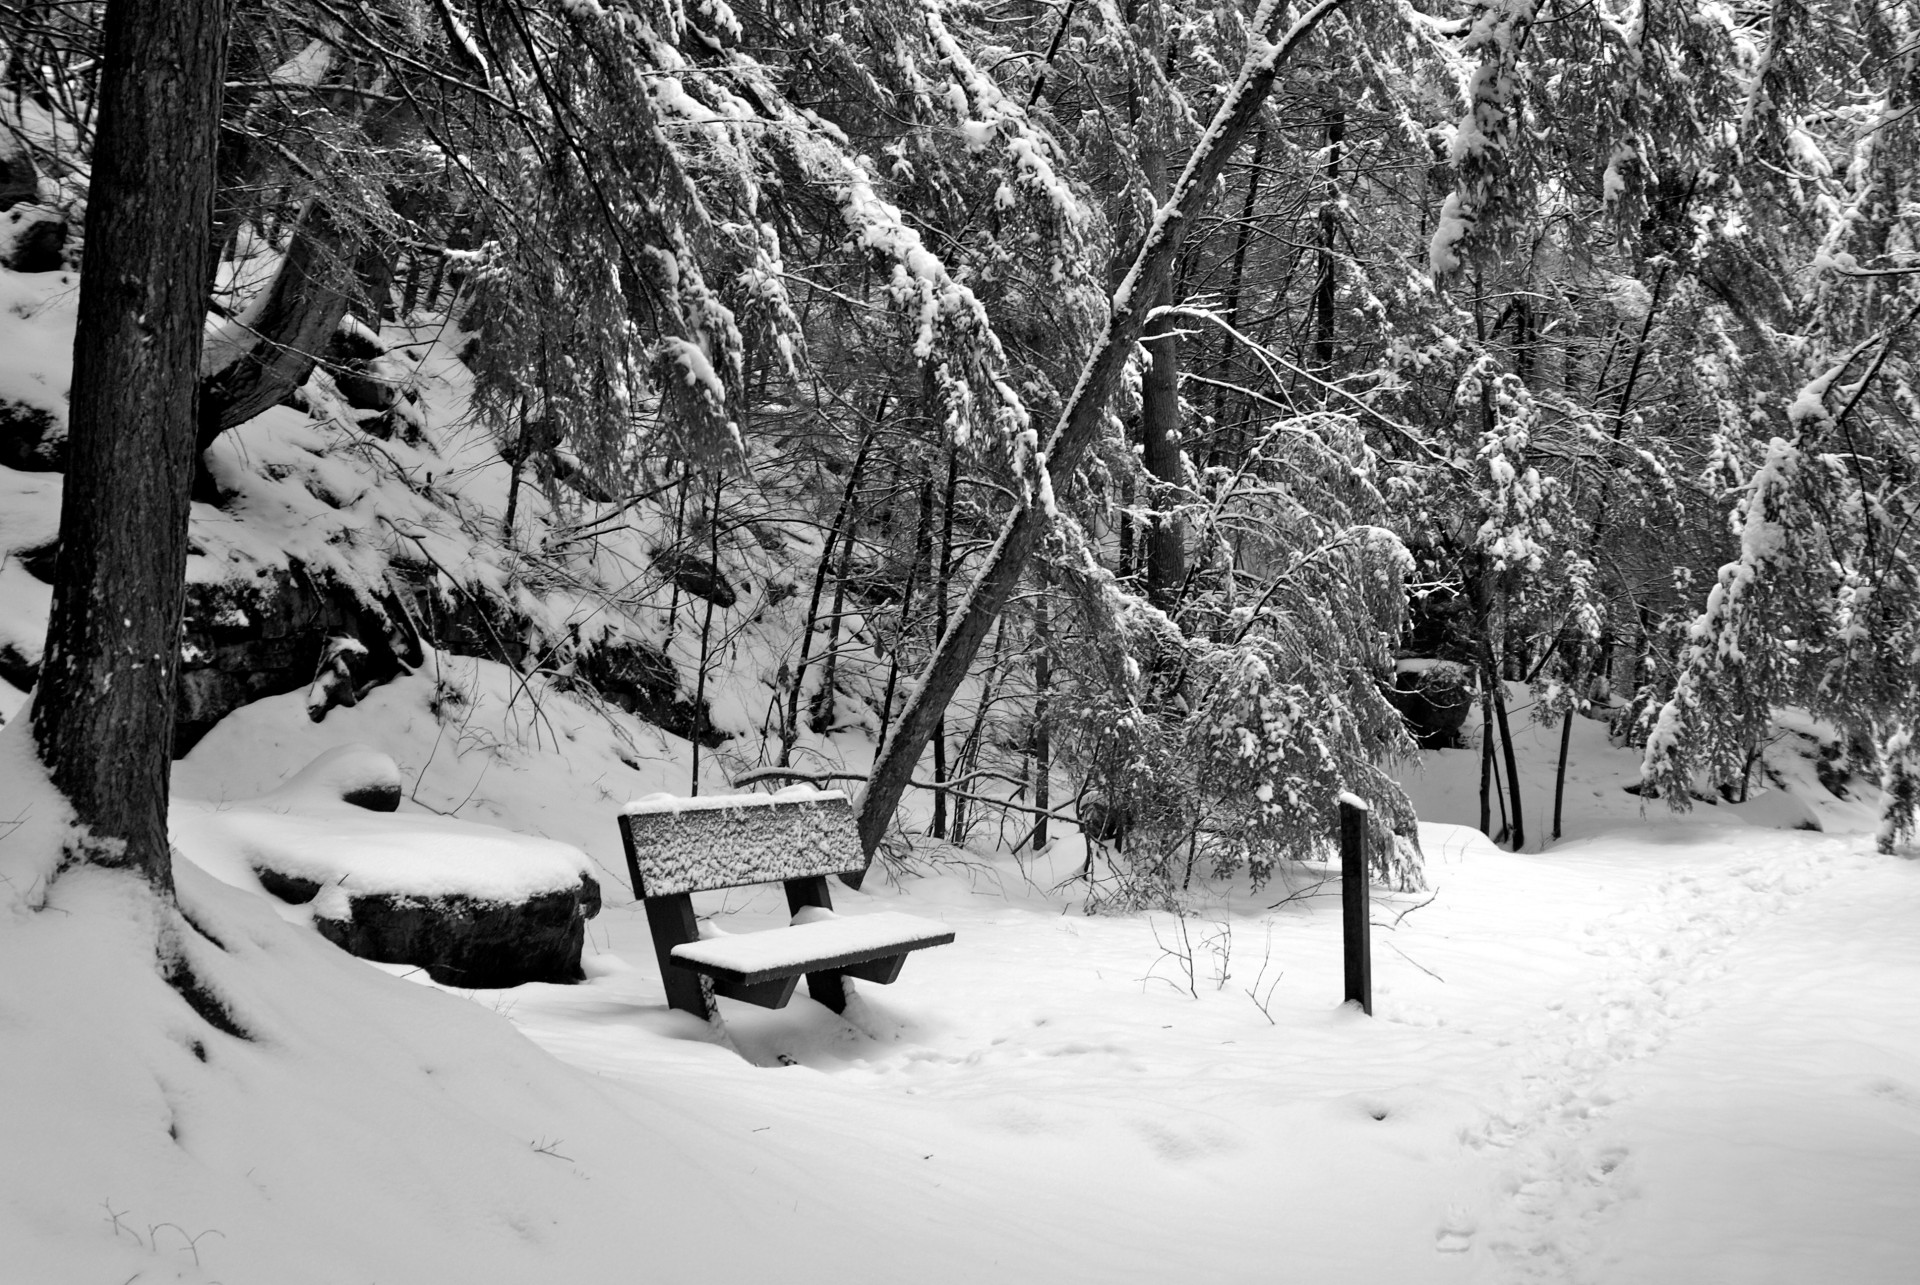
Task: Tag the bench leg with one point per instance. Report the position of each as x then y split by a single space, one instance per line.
829 988
826 986
673 924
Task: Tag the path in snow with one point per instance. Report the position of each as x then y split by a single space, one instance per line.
1543 1096
1568 1161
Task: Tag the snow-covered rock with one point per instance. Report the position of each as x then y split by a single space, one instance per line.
474 905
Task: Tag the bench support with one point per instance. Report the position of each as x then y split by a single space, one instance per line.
673 924
773 994
827 988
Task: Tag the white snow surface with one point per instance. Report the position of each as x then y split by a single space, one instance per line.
1657 1050
336 773
782 950
407 854
1662 1050
303 829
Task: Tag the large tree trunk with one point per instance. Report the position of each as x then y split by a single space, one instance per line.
103 711
1160 427
1080 419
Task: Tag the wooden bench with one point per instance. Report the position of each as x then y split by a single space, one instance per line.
677 847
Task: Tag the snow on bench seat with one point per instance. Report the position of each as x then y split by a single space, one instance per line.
815 945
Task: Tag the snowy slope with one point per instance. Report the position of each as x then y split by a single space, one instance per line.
1663 1049
1629 1060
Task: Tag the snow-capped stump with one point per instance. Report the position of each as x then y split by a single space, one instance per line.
473 905
799 836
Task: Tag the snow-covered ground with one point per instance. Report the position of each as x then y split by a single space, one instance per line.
1659 1050
1663 1050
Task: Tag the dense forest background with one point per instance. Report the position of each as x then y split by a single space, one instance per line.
1138 406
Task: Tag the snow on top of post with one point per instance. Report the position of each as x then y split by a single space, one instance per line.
1349 799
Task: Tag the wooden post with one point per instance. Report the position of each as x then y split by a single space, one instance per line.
1354 909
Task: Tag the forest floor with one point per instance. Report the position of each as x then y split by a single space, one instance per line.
1664 1050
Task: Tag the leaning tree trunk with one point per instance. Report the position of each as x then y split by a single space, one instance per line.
1081 418
103 711
286 331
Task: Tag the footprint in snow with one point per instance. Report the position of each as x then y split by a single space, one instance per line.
1888 1089
1455 1235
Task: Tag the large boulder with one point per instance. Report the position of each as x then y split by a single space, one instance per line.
472 905
476 942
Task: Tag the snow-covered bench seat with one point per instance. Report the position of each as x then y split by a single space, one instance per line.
677 847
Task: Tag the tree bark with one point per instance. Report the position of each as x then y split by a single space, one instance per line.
1329 228
103 711
942 574
706 640
1160 418
820 718
1518 834
1080 418
1042 692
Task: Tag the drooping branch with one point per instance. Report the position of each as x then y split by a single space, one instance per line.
1083 415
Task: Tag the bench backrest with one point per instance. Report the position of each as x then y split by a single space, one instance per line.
726 841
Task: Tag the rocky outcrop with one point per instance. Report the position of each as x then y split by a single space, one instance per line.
639 678
290 630
245 640
697 576
471 941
